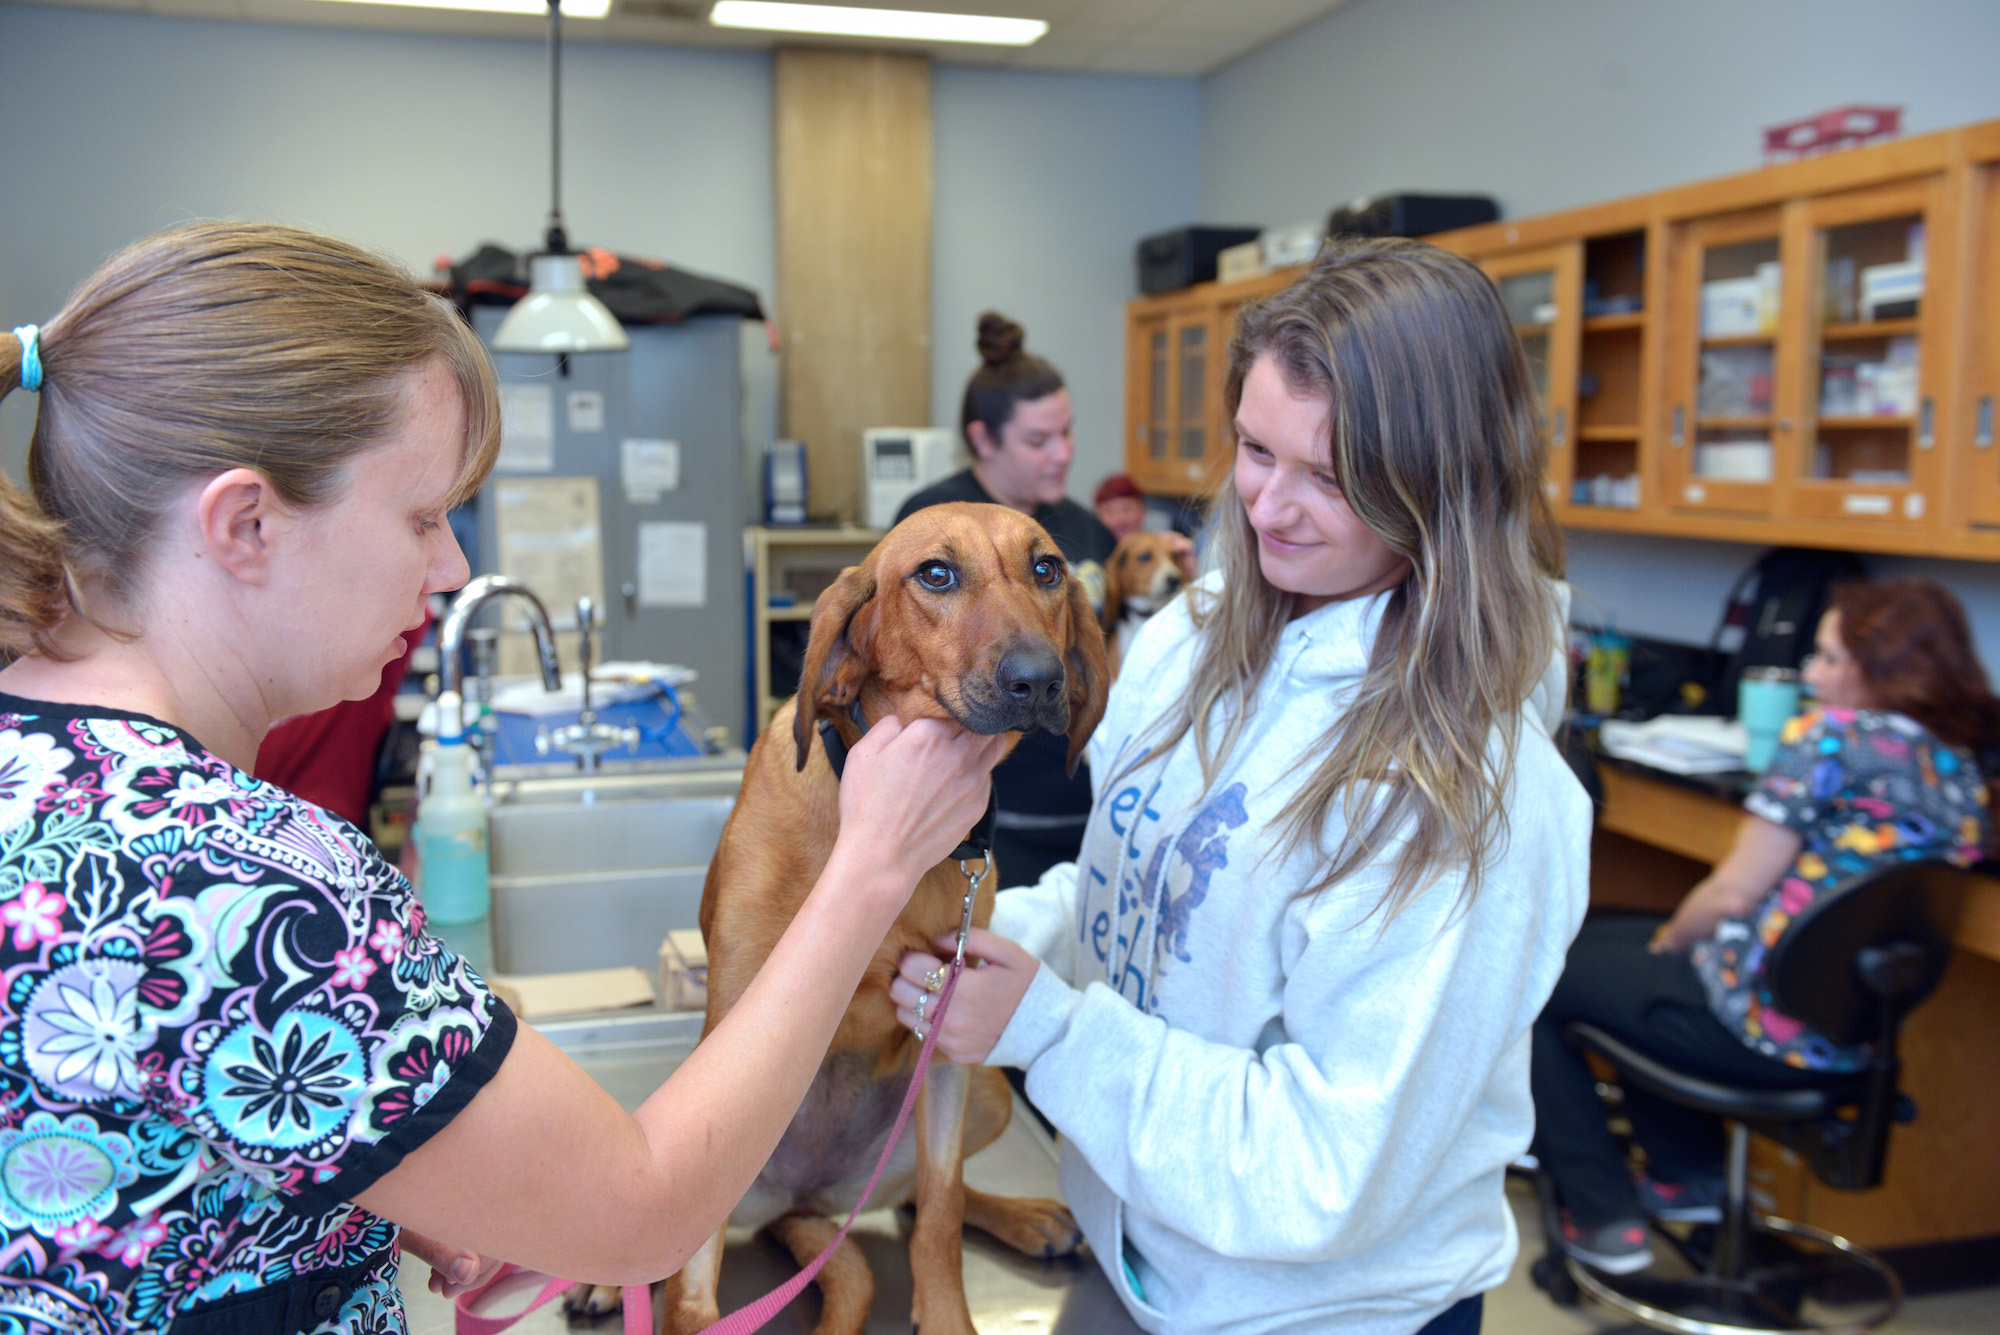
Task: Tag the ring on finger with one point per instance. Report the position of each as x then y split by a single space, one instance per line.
933 980
923 999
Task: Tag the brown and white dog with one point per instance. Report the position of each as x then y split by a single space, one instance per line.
1142 576
965 612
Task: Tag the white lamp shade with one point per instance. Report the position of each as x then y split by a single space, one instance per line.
559 314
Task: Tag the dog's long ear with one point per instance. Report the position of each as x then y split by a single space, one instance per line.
1086 668
838 653
1114 589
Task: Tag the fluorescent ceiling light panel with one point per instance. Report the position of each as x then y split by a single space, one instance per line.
843 21
572 9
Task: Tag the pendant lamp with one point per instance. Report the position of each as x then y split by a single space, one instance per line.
558 315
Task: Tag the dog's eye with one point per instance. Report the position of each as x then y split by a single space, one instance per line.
936 576
1049 571
1145 558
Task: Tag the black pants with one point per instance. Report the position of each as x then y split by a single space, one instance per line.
1656 1004
1461 1318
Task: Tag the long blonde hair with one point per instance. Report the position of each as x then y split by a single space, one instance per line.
1437 444
204 348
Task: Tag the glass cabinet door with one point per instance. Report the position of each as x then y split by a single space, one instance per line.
1191 352
1867 410
1543 293
1149 401
1728 306
1975 436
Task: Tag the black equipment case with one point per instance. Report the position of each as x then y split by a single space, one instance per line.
1186 256
1410 215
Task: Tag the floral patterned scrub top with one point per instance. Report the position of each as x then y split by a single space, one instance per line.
1862 787
220 1019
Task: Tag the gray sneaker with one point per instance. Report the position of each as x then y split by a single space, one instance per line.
1695 1201
1617 1248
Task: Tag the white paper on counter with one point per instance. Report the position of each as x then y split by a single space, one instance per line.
673 565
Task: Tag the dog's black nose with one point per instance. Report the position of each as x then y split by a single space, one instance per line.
1173 583
1031 675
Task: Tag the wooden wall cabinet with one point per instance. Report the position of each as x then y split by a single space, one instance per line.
1808 354
1771 386
1178 436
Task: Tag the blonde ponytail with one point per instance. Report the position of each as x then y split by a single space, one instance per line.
32 598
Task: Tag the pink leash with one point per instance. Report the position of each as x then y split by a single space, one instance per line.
637 1299
747 1319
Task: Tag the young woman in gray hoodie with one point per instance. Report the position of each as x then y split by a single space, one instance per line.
1279 1009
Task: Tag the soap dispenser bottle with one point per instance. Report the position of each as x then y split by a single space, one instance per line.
451 827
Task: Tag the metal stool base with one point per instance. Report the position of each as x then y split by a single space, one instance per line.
1712 1287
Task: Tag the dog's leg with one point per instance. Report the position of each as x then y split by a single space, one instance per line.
937 1244
846 1284
691 1301
590 1299
1033 1225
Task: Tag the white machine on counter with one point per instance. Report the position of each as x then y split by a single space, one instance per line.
897 461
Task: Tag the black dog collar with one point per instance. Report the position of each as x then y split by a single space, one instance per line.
977 844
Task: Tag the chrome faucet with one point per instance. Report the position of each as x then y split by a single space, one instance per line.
586 739
476 593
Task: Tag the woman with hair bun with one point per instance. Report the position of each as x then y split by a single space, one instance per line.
1016 420
1890 763
237 1069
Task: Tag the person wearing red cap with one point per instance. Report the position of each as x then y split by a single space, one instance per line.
1120 504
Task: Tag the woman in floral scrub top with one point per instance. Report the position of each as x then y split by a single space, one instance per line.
1887 767
234 1066
1860 787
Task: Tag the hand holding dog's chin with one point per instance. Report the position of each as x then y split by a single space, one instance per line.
912 791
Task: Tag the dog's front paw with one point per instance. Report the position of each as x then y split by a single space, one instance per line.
1031 1225
590 1300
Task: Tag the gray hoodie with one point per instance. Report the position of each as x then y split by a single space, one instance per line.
1283 1113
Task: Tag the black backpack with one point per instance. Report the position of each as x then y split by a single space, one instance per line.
1773 612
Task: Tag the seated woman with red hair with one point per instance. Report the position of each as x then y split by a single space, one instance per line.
1889 764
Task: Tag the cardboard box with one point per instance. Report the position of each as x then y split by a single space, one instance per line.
684 970
1891 291
537 995
1240 262
1285 246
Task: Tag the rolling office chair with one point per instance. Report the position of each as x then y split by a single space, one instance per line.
1852 966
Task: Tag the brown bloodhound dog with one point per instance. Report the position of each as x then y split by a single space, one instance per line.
965 612
1143 575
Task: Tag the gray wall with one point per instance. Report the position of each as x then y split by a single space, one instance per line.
1549 104
425 146
1044 182
419 146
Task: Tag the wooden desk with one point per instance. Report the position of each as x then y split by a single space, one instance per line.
1691 823
1943 1179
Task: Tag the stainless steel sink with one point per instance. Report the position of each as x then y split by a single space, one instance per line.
591 871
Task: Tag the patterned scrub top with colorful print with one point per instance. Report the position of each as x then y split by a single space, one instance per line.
1861 787
221 1018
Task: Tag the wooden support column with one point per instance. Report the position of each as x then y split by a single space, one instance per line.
853 198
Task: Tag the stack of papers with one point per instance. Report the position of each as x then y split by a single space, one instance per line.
1678 743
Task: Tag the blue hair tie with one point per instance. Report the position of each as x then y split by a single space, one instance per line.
31 357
